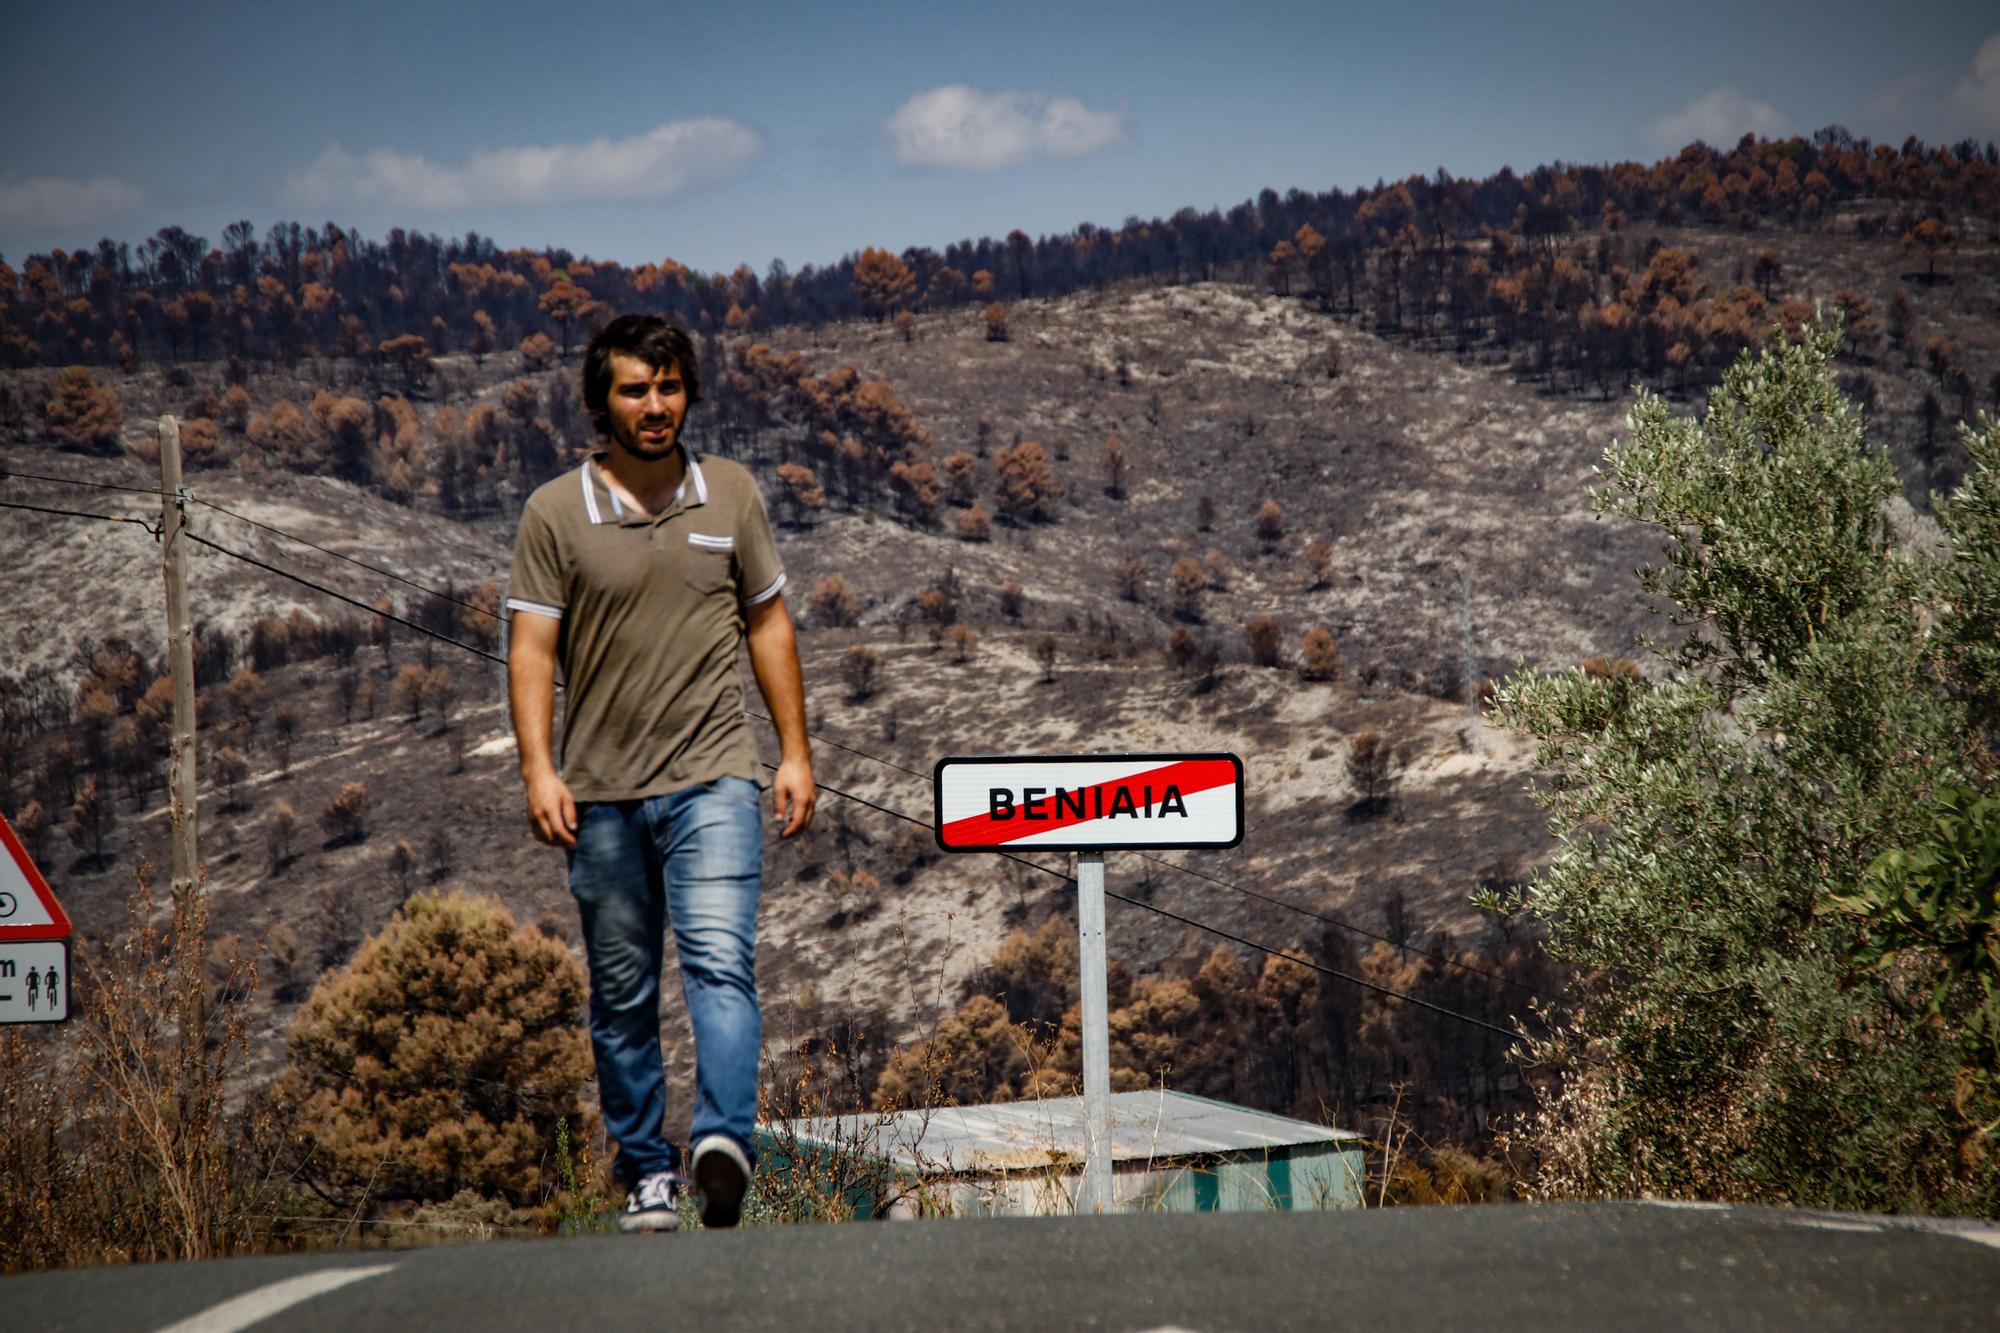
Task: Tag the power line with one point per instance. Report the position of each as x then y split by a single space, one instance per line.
343 597
422 629
1432 954
327 550
274 531
79 481
1322 968
1160 911
80 513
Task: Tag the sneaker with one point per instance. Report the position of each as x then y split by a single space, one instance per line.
654 1205
721 1176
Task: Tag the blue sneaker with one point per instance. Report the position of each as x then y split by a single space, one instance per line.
721 1177
654 1204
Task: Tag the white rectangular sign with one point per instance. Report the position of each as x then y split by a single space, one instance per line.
34 981
1106 802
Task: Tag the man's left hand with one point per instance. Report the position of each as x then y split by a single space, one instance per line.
793 795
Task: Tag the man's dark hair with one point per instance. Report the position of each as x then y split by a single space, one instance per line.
651 339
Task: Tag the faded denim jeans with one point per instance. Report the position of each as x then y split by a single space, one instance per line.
692 859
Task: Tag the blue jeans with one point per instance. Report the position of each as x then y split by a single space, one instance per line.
693 858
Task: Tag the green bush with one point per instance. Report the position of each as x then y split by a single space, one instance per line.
1739 1030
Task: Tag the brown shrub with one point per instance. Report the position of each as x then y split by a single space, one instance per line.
1270 522
1027 487
1186 581
1598 666
858 666
83 414
1265 641
1319 655
974 525
1319 563
345 817
440 1058
1371 767
832 602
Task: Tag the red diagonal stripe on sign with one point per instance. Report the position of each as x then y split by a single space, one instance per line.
1190 775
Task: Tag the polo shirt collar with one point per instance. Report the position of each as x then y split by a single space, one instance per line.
602 505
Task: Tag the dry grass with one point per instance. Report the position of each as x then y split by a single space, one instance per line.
121 1146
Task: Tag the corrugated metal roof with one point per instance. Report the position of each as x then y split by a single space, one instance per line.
1037 1134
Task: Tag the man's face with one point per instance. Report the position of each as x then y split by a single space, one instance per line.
646 407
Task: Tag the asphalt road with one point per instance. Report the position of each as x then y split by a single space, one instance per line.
1563 1266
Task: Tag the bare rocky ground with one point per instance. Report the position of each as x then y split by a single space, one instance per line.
1454 496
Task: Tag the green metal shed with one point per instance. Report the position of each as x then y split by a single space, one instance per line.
1170 1151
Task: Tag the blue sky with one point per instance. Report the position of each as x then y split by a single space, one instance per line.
730 133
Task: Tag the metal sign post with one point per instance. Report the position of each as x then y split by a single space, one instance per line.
1090 973
1090 804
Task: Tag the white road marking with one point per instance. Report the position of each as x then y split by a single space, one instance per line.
1691 1205
1988 1236
266 1301
1835 1224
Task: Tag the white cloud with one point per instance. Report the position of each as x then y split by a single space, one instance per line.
653 165
1977 96
38 203
1718 119
1939 103
966 129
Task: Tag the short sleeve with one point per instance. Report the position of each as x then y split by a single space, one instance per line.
536 584
759 576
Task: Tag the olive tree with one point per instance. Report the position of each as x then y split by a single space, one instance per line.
1747 1021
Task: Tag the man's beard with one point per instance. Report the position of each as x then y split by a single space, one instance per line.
645 450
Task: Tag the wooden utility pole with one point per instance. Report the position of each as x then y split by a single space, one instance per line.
180 654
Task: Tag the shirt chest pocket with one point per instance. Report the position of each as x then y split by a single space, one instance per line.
707 562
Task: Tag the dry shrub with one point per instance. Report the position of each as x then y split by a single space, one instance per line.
345 817
1270 522
1449 1176
83 413
974 525
1319 656
812 1170
440 1059
201 444
118 1145
538 350
1598 666
858 667
832 602
1265 641
1371 767
1027 486
1186 581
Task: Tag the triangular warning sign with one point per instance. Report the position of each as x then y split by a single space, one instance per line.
28 911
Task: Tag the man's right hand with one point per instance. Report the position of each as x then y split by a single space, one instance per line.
552 811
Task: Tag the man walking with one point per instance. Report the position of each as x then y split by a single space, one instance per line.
639 572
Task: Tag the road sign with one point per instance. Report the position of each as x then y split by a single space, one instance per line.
34 981
28 911
1103 802
34 940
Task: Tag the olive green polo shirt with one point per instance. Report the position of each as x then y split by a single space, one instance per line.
652 609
